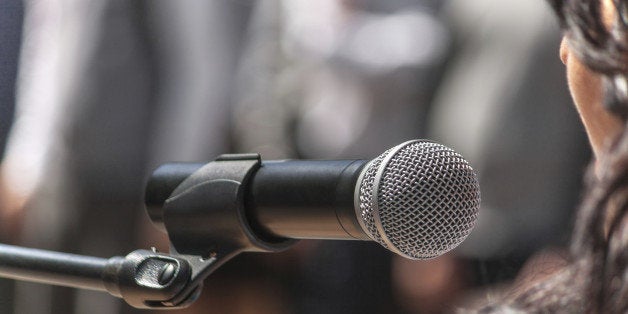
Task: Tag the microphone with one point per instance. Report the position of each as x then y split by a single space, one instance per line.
418 199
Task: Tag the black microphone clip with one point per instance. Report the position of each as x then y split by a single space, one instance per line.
205 218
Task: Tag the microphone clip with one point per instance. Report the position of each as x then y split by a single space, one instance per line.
203 234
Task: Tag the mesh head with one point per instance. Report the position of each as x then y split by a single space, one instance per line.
419 199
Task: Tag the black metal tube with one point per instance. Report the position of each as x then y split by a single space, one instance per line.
54 268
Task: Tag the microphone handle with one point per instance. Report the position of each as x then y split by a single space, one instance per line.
305 199
296 199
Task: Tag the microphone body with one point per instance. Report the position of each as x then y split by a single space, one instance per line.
418 199
300 199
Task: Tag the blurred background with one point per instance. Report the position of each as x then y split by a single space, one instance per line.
96 94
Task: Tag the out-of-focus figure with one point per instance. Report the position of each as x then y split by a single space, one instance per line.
353 77
107 90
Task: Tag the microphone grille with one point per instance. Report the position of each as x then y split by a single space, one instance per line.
419 199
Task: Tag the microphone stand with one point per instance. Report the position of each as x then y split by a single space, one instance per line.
143 278
154 280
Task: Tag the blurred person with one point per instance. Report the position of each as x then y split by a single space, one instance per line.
345 79
107 90
64 147
594 277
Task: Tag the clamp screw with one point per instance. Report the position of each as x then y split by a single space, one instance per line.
167 273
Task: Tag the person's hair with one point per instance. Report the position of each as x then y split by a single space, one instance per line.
596 278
